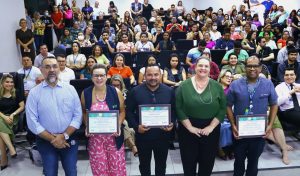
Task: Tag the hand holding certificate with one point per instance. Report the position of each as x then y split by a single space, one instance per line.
251 125
103 122
155 115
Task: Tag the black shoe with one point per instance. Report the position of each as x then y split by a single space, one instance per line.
14 156
3 167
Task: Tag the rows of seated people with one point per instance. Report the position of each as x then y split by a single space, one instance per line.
175 39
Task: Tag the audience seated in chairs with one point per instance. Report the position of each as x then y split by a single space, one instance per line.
166 43
237 69
150 60
32 75
98 54
86 72
11 105
66 74
290 62
119 67
174 74
129 134
76 61
237 49
289 97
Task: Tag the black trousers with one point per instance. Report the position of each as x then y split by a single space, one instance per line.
160 149
198 150
250 148
290 116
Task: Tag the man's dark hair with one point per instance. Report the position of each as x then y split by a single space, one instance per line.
258 40
151 65
60 55
202 43
292 50
254 56
226 31
237 44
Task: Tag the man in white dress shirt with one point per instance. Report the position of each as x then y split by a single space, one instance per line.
66 74
289 98
32 74
43 54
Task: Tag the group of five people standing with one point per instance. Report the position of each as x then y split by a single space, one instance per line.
54 113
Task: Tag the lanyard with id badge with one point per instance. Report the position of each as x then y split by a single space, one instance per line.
251 125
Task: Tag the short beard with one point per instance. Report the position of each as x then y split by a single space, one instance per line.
52 80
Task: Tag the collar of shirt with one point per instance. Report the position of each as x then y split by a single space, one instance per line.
59 84
155 91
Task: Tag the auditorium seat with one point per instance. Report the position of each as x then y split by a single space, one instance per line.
217 55
183 44
178 35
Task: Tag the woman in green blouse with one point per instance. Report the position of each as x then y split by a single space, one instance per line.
201 106
237 69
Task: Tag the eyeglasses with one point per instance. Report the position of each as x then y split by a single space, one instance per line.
252 66
48 67
227 77
99 76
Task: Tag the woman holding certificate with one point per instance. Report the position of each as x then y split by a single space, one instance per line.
201 106
106 151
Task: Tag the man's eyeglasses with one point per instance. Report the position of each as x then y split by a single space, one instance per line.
252 66
99 75
48 67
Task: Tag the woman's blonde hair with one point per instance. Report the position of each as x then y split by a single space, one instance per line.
119 78
2 90
222 74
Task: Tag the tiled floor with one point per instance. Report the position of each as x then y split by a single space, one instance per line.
270 164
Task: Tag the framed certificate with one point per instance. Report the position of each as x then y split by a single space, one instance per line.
249 126
103 122
155 115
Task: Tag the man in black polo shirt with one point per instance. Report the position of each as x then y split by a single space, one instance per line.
291 62
265 53
150 139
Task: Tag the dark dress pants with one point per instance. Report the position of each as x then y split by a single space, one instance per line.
198 150
250 148
160 150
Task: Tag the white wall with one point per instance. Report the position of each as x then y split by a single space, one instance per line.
11 13
124 5
226 4
13 10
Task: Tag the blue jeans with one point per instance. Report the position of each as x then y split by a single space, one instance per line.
38 40
250 148
50 156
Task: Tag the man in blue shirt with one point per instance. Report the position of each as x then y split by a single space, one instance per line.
225 42
250 95
195 53
53 112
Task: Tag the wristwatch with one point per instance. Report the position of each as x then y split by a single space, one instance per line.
66 136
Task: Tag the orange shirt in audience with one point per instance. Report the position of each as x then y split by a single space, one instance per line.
125 72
